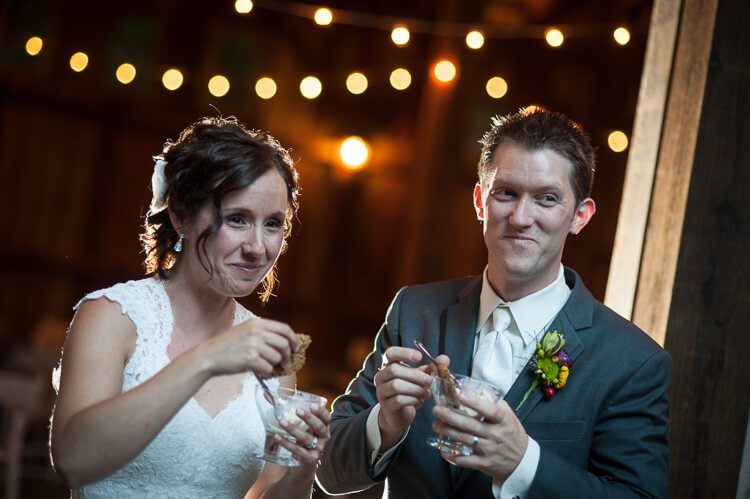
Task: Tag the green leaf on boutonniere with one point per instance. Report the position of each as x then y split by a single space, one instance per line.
550 365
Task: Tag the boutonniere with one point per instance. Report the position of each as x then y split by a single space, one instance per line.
550 365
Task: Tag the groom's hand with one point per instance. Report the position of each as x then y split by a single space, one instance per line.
401 390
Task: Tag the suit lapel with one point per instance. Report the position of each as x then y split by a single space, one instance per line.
458 325
575 316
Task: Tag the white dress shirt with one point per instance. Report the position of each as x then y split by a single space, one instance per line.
531 315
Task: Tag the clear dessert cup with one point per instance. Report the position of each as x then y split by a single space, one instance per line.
287 401
469 386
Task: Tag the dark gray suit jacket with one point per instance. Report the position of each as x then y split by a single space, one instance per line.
602 435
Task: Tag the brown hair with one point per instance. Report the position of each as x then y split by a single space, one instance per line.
539 129
212 158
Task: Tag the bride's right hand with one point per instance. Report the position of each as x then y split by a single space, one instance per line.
256 345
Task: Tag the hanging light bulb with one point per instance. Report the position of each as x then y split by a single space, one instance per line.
323 16
400 35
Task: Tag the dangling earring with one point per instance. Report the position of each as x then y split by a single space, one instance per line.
178 244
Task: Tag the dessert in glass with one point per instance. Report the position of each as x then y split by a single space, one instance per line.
446 393
287 401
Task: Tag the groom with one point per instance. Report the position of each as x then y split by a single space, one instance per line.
603 434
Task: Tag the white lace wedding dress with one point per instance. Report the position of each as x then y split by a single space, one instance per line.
194 455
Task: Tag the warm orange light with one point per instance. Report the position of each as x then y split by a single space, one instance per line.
400 35
243 6
474 39
34 45
323 16
617 141
554 37
356 83
265 87
310 87
496 87
218 85
125 73
354 153
400 79
621 36
172 79
79 61
445 70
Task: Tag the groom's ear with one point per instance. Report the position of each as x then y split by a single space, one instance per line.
478 203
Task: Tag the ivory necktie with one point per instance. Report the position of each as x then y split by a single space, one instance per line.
493 361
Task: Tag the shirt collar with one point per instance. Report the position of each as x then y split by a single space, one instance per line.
531 313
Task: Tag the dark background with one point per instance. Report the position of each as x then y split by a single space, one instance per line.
75 148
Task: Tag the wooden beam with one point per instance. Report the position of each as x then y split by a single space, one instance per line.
642 158
668 201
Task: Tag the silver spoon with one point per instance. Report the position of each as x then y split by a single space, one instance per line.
432 359
268 395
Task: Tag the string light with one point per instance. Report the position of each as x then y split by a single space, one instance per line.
617 141
497 87
172 79
218 85
356 83
243 6
621 36
310 87
530 109
554 37
354 153
34 45
474 39
444 70
125 73
400 79
400 35
79 61
265 87
323 16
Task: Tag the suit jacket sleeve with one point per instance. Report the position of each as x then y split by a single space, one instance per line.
629 452
345 465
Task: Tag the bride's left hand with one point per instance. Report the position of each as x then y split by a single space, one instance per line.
310 441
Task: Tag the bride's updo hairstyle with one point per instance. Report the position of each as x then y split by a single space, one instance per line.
212 158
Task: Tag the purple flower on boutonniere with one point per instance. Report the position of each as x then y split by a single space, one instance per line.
550 365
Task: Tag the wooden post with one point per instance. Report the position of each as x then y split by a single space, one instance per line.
691 292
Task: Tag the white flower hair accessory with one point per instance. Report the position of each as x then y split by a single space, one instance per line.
158 185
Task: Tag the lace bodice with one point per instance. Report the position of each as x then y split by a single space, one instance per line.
194 455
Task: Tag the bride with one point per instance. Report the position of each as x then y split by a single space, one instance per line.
156 395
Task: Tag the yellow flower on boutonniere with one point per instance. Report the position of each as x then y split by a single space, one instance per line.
550 366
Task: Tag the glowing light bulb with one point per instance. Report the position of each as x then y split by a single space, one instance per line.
497 87
34 45
400 35
310 87
79 61
172 79
323 16
356 83
445 70
265 87
617 141
218 85
554 37
400 79
354 153
125 73
243 6
621 36
475 39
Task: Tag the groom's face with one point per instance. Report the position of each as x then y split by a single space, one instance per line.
528 209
